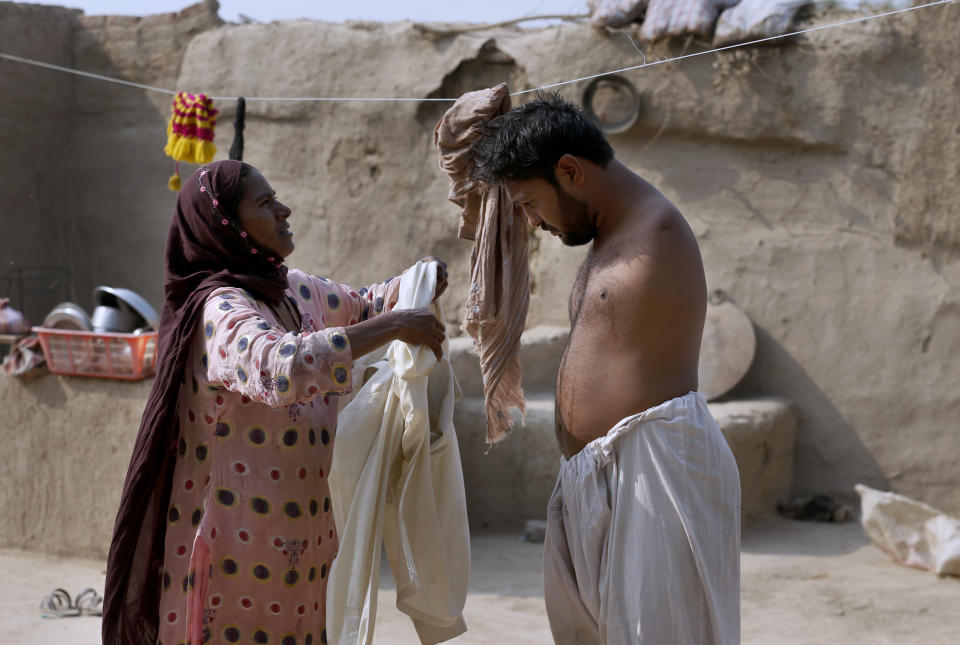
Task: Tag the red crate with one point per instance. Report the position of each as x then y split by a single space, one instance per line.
103 355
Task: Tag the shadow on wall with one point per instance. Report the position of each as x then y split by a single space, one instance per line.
490 67
823 433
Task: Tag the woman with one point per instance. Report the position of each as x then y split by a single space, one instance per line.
225 531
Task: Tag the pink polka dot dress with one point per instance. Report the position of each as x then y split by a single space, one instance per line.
250 532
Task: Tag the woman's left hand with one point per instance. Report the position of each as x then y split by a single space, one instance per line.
441 274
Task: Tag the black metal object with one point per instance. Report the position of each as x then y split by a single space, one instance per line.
236 148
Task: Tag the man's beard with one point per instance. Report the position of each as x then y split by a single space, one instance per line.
576 216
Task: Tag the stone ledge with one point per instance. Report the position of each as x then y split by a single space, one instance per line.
541 349
761 434
511 482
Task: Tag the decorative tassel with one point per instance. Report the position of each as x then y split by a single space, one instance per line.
190 132
174 182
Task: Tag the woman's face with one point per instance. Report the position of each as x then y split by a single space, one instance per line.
263 217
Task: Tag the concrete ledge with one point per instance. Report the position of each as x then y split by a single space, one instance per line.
541 349
67 443
761 434
511 482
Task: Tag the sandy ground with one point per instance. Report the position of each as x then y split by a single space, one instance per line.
802 584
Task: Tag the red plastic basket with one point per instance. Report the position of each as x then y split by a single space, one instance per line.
103 355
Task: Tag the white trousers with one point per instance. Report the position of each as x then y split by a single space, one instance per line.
643 534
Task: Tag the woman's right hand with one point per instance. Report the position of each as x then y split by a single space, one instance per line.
419 327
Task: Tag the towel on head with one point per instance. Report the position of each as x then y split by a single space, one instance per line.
496 310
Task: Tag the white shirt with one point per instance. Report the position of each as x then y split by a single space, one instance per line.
396 480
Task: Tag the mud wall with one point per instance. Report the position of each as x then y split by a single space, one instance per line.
36 122
78 156
819 177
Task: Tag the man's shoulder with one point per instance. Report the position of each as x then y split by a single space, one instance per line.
659 253
658 232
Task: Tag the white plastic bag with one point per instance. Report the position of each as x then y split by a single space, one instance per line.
912 532
11 320
615 13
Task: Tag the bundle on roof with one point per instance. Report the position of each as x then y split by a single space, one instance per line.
661 19
671 18
755 19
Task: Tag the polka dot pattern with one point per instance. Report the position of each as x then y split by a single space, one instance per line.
261 572
226 497
292 510
257 436
229 566
258 415
260 505
223 430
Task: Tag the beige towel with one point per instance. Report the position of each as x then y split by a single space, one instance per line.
496 309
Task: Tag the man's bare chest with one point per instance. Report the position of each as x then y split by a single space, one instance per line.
593 296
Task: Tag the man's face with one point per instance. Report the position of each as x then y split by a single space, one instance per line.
550 208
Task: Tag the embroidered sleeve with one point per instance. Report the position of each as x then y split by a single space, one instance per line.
244 353
343 305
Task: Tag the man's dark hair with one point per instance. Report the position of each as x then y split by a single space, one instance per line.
528 141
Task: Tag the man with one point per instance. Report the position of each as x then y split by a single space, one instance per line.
643 537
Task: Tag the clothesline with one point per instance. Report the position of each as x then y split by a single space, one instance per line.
151 88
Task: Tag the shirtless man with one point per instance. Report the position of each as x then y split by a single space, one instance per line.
643 538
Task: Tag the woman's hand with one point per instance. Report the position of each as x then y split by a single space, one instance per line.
419 327
414 326
441 275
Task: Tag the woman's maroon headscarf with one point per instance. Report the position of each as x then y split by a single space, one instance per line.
206 249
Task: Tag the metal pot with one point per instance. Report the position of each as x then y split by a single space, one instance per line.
68 315
129 301
114 319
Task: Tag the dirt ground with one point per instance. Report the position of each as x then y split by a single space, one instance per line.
802 584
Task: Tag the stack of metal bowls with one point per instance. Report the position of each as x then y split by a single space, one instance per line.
68 315
122 310
115 310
